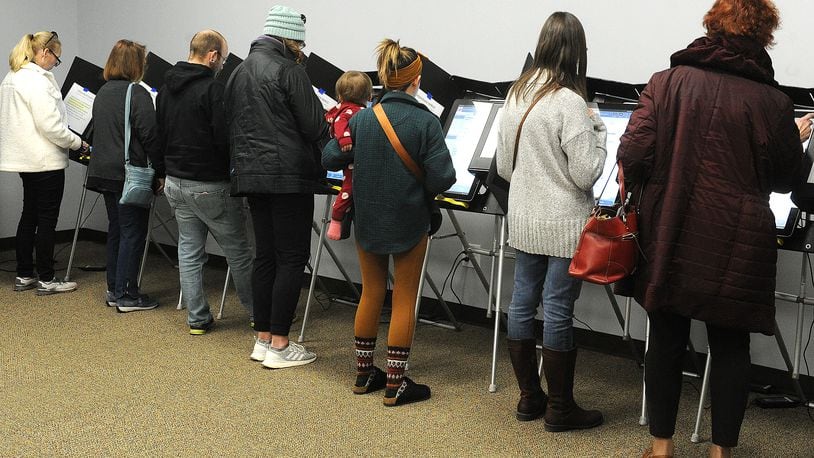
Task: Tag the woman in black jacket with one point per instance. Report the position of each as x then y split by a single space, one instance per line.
127 229
276 127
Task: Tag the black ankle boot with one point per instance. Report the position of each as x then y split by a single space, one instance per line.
533 399
563 413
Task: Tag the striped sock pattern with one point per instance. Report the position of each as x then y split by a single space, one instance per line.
364 355
396 365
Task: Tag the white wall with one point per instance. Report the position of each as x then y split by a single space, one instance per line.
628 40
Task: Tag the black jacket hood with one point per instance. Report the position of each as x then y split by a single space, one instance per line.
183 73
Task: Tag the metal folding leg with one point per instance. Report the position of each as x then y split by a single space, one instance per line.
696 438
498 291
78 226
225 288
643 418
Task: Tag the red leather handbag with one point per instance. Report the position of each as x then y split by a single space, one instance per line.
608 248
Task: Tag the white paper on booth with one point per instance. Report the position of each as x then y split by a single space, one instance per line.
327 102
79 107
153 91
427 100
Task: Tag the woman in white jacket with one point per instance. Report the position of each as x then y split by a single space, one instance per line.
34 141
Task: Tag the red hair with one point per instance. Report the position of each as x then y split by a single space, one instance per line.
756 19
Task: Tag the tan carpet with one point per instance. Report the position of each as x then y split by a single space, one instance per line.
79 379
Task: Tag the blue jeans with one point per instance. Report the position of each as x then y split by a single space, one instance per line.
543 279
126 234
203 207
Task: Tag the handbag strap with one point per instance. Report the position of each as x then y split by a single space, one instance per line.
127 99
519 129
394 140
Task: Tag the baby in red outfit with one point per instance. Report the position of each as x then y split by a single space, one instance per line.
353 89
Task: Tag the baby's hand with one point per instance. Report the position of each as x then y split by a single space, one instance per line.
346 148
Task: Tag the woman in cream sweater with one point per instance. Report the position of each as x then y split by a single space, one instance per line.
559 155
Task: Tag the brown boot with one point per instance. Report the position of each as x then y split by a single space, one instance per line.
533 399
563 413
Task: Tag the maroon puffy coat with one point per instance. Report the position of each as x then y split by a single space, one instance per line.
710 139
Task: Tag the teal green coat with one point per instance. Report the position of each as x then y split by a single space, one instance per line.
390 210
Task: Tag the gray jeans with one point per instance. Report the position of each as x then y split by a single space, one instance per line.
203 207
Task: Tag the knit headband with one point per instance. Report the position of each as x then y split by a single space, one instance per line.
404 76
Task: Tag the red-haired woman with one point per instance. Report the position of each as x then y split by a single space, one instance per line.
711 138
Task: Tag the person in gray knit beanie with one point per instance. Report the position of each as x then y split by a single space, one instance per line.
284 22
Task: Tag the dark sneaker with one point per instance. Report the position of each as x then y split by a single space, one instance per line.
24 283
374 381
54 286
110 299
129 304
408 392
200 329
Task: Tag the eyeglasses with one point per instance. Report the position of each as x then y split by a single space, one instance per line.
53 36
59 61
222 57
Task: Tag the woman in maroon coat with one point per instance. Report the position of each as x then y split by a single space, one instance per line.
711 138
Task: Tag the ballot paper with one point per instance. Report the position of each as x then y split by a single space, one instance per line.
79 107
427 100
153 91
327 102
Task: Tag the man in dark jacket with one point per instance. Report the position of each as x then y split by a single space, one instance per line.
276 128
192 131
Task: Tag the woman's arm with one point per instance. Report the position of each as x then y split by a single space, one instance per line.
44 106
439 173
637 146
143 121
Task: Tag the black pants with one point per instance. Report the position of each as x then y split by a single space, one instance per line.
42 196
126 235
729 380
282 230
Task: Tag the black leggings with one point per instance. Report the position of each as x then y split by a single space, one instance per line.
282 229
42 197
729 380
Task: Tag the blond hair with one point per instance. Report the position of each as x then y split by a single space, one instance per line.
29 45
392 57
354 87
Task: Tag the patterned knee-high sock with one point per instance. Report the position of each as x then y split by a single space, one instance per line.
396 364
364 358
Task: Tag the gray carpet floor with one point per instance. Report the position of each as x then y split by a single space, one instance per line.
79 379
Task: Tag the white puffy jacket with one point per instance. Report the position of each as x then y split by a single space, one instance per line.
34 135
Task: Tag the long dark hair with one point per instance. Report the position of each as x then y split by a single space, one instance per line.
560 59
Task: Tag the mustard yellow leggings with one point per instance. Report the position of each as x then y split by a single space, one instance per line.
405 288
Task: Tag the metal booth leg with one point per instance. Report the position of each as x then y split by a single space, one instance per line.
225 288
78 226
643 418
498 291
696 438
315 269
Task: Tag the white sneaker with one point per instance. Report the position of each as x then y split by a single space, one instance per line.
54 286
260 349
24 283
290 356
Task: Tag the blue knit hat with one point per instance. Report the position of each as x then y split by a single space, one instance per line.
284 22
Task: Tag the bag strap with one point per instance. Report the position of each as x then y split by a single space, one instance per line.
519 129
127 99
394 140
127 123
